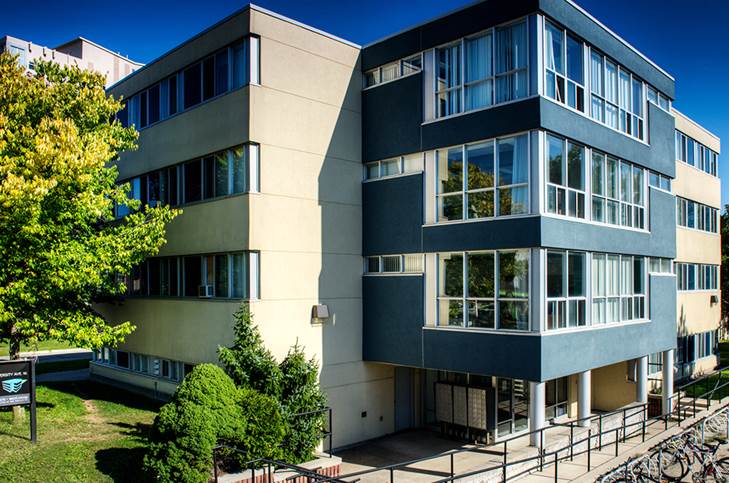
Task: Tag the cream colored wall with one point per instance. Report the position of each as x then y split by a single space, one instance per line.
611 388
697 246
151 384
696 185
695 312
307 220
696 131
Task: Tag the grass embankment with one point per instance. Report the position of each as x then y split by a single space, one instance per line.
719 380
86 432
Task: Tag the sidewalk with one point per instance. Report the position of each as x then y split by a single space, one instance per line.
58 354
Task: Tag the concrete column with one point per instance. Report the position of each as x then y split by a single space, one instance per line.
641 376
667 380
584 397
536 410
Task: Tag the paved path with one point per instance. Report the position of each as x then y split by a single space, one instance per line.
55 355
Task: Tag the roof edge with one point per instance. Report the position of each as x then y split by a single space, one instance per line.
706 131
115 54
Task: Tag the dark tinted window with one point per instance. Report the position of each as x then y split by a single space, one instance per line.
193 183
192 276
192 86
174 291
143 109
154 276
123 115
122 359
154 104
221 72
208 78
172 186
173 94
208 177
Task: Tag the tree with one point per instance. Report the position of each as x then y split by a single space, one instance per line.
724 275
60 247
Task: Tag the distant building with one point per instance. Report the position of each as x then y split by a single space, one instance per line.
79 51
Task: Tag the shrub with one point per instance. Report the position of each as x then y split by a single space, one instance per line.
300 393
248 362
265 426
204 410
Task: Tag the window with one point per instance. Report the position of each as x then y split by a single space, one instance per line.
690 214
410 263
694 153
564 75
484 290
172 95
192 84
660 181
658 98
618 288
154 104
660 265
694 276
393 70
618 192
411 163
565 177
556 397
482 70
566 289
493 181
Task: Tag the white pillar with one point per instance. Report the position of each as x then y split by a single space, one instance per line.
641 388
584 397
536 410
667 380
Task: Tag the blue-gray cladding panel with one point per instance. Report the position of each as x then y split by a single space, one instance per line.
657 157
483 235
392 217
660 242
393 319
391 117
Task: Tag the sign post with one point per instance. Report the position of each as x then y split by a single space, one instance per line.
17 387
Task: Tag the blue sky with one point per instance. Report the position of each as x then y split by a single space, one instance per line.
688 39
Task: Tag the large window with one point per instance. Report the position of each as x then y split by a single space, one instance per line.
393 70
556 397
618 288
564 61
566 289
690 214
217 74
484 179
565 177
391 264
411 163
696 154
220 174
482 70
222 275
696 276
484 289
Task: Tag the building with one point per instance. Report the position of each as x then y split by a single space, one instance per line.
469 223
79 51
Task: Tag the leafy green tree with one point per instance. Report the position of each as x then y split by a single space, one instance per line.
59 246
724 278
248 361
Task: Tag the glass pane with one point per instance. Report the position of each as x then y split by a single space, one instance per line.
480 204
450 207
553 43
221 174
192 93
555 147
451 275
193 278
576 276
624 92
598 275
450 312
481 275
555 274
598 173
625 185
239 169
613 275
193 181
514 314
596 71
479 94
638 275
450 170
208 78
221 275
513 201
637 98
373 264
480 165
481 314
221 72
513 160
575 60
598 209
449 67
511 47
239 277
514 274
373 170
637 186
611 82
390 167
576 166
391 263
208 177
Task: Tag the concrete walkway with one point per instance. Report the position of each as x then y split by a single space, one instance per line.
55 355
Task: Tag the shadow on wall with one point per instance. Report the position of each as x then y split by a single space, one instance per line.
361 410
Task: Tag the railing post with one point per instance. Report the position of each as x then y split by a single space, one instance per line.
617 440
642 436
694 414
504 464
392 474
556 466
331 433
572 441
589 447
679 408
624 424
452 472
270 476
599 435
541 446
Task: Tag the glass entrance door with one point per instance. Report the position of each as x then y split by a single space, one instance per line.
512 406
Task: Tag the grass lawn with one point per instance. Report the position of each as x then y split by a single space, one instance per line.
86 432
45 345
701 388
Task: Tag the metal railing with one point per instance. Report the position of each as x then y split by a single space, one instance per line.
686 401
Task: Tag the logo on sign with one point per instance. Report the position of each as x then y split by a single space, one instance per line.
13 385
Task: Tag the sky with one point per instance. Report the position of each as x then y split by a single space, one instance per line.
687 39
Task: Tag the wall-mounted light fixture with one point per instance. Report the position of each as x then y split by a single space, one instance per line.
319 314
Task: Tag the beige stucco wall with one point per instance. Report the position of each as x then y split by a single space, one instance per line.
691 128
696 313
696 185
697 246
611 388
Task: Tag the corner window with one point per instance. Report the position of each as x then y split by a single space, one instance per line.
566 289
566 177
493 181
484 290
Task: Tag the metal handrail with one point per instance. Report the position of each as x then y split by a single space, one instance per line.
702 378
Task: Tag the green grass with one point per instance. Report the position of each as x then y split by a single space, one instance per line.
86 432
45 345
721 380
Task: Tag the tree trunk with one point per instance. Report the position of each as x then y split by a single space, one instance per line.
18 411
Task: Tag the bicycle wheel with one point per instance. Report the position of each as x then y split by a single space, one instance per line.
673 466
714 474
723 466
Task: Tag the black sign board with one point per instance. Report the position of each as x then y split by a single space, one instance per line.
17 387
